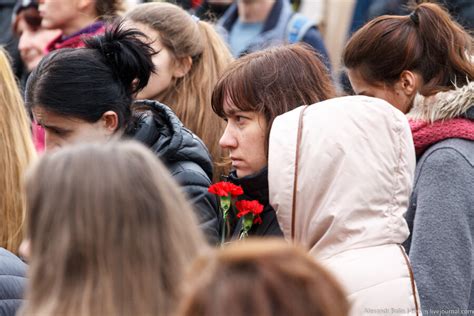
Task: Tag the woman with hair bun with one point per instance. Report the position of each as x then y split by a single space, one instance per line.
84 95
422 64
76 20
190 57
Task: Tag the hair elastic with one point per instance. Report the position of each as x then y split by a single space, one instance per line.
414 17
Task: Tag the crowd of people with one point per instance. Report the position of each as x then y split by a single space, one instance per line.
156 163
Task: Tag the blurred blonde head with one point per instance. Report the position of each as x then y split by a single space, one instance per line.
110 233
16 152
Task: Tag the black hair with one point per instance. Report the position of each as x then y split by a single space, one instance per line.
86 82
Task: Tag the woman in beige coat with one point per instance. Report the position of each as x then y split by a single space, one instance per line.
340 176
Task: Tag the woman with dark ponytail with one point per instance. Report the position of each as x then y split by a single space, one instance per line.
86 94
422 63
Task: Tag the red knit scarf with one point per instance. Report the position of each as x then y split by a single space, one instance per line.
426 134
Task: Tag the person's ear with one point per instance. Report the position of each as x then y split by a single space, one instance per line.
25 249
110 122
182 66
408 83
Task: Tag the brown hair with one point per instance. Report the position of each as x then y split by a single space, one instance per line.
31 16
110 231
274 81
190 96
265 278
16 153
428 41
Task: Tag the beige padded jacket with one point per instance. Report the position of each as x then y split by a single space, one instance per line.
355 170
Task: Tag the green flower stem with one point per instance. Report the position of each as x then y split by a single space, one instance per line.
223 230
244 234
247 223
224 206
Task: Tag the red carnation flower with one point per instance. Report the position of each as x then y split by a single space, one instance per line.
250 207
225 188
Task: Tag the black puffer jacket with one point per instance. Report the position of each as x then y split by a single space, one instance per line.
12 282
184 154
256 188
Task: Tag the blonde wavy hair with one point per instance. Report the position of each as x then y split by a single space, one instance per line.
190 96
16 153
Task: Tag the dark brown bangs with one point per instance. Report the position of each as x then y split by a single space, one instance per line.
237 86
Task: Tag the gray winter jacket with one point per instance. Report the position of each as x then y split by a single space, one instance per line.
12 282
441 213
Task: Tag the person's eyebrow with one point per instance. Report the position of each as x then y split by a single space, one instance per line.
231 112
56 128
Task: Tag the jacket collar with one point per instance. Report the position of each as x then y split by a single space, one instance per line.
156 125
232 14
255 186
76 40
444 105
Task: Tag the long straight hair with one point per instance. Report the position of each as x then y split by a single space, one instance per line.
190 96
110 233
16 152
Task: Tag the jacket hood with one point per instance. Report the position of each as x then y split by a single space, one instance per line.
354 174
159 128
443 105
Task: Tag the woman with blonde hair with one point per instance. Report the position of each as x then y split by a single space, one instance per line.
190 57
117 238
265 278
16 152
